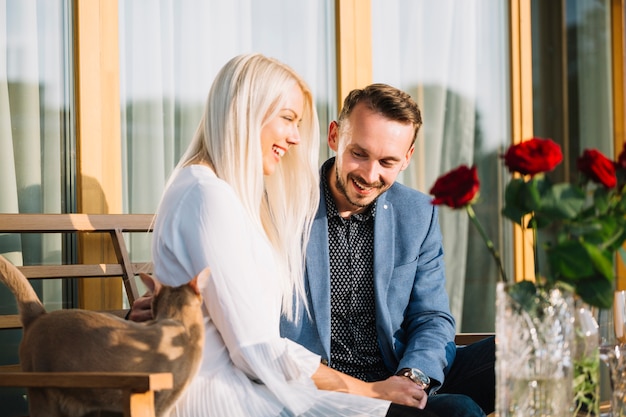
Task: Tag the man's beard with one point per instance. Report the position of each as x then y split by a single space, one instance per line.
342 188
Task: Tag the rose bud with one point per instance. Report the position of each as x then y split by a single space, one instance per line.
457 188
597 167
533 156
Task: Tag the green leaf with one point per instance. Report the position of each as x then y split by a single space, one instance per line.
596 292
513 209
601 199
523 293
569 259
593 230
531 192
602 260
561 201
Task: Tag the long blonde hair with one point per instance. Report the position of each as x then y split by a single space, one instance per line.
247 93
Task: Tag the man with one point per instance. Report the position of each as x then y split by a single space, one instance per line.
377 303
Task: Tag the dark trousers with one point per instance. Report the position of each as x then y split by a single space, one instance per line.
473 374
396 410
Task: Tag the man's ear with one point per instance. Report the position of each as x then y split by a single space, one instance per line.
407 157
333 135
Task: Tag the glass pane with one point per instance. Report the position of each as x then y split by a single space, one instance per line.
171 51
572 89
452 58
36 137
572 81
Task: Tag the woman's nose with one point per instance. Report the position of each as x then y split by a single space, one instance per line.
294 136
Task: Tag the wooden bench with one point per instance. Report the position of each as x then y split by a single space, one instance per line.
138 388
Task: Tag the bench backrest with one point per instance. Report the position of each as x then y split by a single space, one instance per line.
81 225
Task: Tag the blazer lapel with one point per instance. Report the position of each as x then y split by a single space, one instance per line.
383 252
383 269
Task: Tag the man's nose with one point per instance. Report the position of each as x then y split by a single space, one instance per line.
371 173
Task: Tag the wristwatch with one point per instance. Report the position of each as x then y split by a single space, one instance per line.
417 376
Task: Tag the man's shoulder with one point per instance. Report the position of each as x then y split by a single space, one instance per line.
399 194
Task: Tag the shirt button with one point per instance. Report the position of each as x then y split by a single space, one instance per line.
324 361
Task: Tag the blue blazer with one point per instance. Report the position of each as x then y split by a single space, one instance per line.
414 325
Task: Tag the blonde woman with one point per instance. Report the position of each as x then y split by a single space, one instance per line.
241 201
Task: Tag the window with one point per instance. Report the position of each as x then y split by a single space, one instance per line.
36 147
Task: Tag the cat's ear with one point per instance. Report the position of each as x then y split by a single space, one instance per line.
153 285
199 281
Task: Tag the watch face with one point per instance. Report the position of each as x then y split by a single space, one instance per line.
420 378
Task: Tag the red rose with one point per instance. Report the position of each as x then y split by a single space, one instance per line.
621 159
597 167
457 188
533 156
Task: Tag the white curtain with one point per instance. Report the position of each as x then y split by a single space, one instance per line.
170 52
591 68
33 104
33 107
451 57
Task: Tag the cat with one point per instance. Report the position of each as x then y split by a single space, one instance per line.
76 340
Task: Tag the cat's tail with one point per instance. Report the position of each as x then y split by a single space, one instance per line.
28 303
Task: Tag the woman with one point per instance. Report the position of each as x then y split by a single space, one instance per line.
240 201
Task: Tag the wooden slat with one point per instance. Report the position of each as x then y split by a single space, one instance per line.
74 222
11 321
81 270
134 381
119 245
139 404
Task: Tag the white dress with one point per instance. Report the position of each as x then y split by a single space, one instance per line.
247 369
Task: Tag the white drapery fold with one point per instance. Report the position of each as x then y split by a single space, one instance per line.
33 106
170 53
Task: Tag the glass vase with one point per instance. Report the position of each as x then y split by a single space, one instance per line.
618 380
534 369
586 354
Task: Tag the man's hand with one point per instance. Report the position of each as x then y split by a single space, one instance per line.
141 310
400 390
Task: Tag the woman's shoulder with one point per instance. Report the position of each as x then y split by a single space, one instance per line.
200 181
197 191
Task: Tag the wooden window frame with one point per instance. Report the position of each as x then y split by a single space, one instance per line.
98 137
618 26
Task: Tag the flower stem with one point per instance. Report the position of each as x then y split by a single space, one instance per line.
488 242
